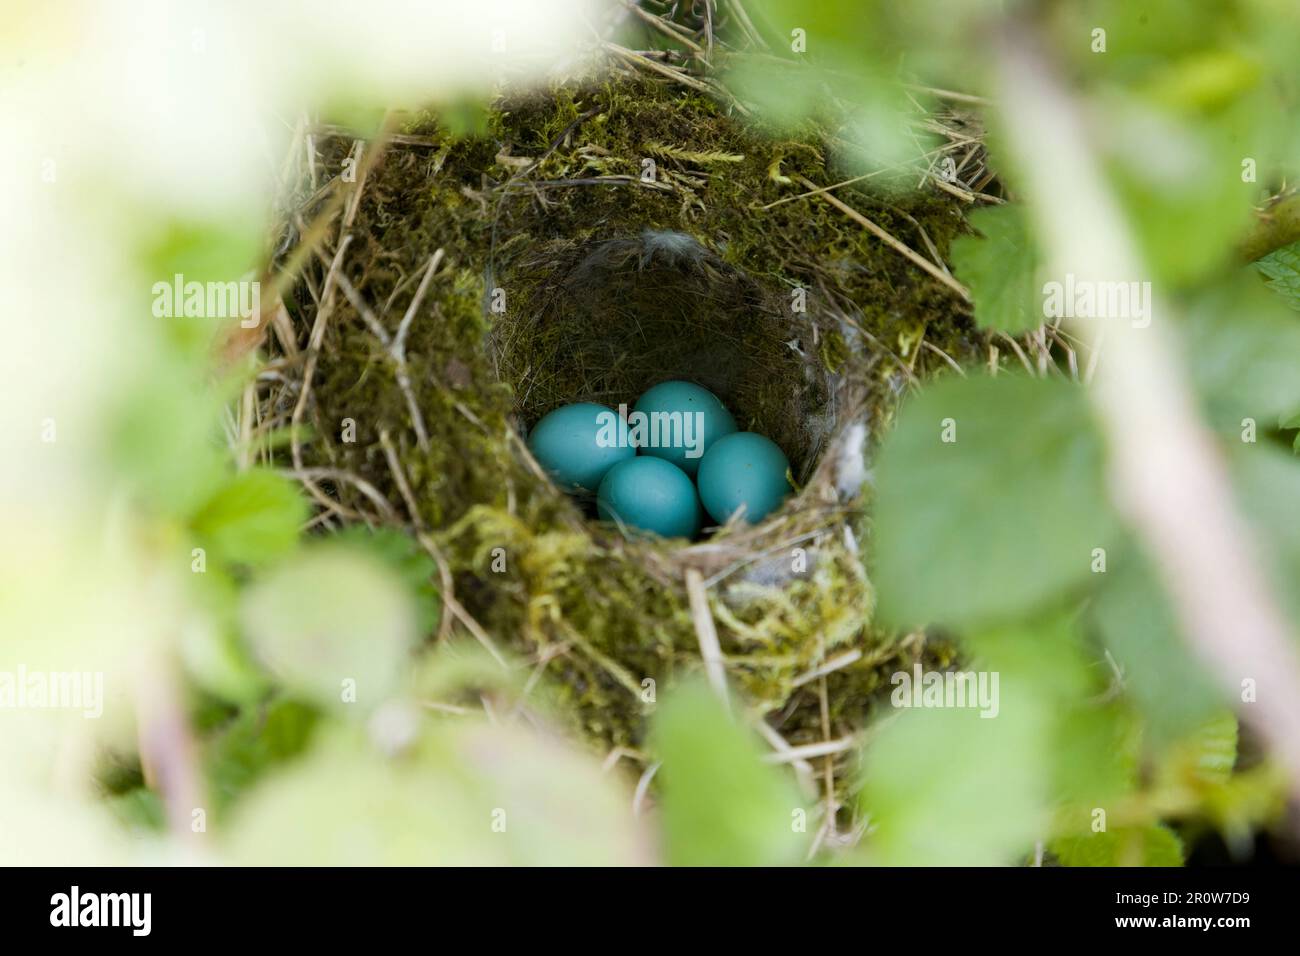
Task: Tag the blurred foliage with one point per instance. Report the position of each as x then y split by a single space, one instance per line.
1000 268
720 805
404 557
326 740
991 510
990 501
335 625
946 787
252 519
1154 845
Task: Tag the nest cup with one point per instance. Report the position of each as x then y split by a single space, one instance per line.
608 289
605 319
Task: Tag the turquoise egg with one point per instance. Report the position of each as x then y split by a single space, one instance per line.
743 470
577 444
683 420
650 494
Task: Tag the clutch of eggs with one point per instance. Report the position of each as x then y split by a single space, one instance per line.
641 467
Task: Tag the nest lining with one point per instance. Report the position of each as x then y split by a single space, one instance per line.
605 320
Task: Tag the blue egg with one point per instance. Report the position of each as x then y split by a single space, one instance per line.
650 494
682 420
577 444
743 470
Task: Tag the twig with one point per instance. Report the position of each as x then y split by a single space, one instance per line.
822 749
951 95
836 663
902 248
706 633
399 343
399 478
398 352
667 29
803 769
450 603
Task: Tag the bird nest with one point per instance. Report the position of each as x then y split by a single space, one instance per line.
590 241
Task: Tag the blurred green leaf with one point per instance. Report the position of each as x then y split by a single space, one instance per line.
1000 520
163 440
1000 267
1044 665
1245 801
1130 846
1180 184
950 788
721 805
203 251
217 660
334 624
409 561
260 738
253 519
1243 348
838 65
140 811
1205 756
467 795
1161 674
212 649
1095 752
1268 484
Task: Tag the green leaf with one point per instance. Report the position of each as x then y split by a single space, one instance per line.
139 810
1161 674
951 788
466 794
1243 348
1046 666
1000 268
1246 801
1282 269
330 621
1155 845
257 740
1204 757
409 561
254 518
721 805
1184 210
161 438
1268 485
1095 752
997 521
215 657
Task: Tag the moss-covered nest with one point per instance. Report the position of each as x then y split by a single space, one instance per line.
596 239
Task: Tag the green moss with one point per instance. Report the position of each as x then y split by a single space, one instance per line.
594 309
